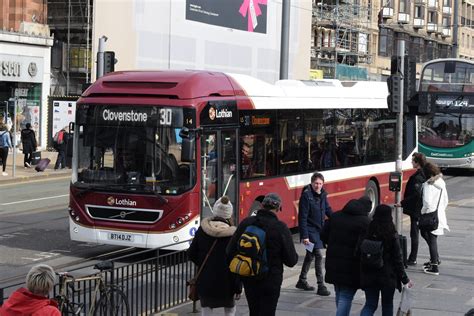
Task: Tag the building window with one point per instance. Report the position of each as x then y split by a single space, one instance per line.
446 3
419 12
432 18
404 6
387 4
385 42
446 22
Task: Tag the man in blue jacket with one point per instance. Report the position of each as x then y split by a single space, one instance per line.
313 208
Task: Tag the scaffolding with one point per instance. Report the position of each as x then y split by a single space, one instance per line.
71 23
341 32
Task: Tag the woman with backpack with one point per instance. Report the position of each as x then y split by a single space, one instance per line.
5 145
382 278
216 286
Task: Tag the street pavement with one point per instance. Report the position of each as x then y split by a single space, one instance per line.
450 293
27 174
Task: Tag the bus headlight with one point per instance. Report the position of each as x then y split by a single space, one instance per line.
172 226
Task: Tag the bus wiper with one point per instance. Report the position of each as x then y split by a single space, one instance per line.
158 195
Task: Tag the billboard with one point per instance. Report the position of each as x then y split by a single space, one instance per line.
245 15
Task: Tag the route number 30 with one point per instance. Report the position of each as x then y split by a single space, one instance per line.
166 117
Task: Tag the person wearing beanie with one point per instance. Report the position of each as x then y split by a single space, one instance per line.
216 285
340 235
223 208
262 293
412 203
313 208
383 281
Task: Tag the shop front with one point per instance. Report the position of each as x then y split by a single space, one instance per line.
24 84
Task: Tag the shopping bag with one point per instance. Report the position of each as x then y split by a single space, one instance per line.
406 301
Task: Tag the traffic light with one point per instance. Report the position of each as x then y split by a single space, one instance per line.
425 105
109 62
393 99
409 76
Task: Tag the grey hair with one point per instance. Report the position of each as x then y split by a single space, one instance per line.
40 280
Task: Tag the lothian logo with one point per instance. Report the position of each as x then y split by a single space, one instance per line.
122 202
111 200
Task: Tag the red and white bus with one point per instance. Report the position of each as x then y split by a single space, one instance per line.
153 150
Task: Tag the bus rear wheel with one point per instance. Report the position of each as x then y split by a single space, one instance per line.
372 191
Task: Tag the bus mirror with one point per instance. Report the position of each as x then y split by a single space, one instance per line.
188 147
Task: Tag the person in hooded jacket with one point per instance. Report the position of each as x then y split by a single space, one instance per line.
313 208
5 145
28 140
342 262
435 197
33 300
391 275
263 293
216 285
412 203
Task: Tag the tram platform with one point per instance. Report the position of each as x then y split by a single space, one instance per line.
450 293
23 174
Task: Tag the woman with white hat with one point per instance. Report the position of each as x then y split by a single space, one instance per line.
216 286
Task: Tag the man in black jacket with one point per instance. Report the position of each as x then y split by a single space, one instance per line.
313 208
412 203
341 234
263 293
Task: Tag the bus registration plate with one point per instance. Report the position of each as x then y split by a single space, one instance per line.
121 237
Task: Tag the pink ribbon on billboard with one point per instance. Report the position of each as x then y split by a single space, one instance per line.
252 7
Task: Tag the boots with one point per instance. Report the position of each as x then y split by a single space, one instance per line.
303 285
323 291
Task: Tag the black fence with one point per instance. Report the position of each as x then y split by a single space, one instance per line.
153 280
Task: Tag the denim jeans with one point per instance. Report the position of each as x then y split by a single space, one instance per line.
372 301
344 297
414 236
318 265
432 241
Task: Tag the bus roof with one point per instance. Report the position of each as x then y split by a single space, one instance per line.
291 94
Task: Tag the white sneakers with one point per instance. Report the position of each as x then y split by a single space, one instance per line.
27 165
4 174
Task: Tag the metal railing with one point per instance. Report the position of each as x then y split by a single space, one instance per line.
153 280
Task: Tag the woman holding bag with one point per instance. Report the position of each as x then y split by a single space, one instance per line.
435 199
216 285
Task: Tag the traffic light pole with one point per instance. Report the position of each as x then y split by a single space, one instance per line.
100 57
398 164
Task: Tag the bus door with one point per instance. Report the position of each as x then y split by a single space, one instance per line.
219 168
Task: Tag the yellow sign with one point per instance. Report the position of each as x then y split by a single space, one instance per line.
315 74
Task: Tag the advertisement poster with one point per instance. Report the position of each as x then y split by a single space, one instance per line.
64 112
245 15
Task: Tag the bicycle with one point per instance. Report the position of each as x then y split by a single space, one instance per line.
107 299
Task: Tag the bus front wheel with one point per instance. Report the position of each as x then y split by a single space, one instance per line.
372 191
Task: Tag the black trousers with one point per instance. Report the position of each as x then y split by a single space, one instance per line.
414 238
27 158
318 265
61 160
4 155
432 241
262 295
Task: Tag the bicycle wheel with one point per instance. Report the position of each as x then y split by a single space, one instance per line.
112 302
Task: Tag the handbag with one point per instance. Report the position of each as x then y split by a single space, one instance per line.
192 284
429 221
